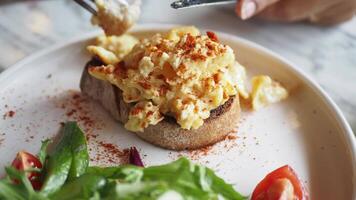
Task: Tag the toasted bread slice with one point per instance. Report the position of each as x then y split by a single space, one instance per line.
167 133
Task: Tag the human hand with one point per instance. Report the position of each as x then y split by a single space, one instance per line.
316 11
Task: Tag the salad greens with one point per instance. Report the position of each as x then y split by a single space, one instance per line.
69 159
66 175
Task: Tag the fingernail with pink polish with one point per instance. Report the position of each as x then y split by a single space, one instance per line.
248 9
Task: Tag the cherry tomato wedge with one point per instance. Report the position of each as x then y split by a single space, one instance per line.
281 184
26 161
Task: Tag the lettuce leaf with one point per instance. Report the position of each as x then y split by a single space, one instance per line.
191 181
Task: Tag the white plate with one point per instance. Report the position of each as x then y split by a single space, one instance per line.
306 131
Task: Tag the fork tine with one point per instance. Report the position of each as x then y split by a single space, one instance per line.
86 6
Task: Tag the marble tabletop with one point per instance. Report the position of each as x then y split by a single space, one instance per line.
328 54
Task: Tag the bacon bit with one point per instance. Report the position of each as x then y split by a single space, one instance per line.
212 36
210 46
161 47
163 90
189 43
209 53
159 53
160 76
217 78
152 48
149 113
222 50
168 71
206 84
182 68
196 56
196 109
120 69
136 110
186 100
144 84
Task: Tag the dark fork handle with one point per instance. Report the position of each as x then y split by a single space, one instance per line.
86 6
195 3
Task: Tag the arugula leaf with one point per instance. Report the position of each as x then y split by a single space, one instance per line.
132 191
189 180
84 187
128 173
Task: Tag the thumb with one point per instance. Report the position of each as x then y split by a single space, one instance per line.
248 8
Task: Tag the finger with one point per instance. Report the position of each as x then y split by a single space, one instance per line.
290 10
248 8
335 14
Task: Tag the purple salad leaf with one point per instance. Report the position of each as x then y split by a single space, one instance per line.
135 158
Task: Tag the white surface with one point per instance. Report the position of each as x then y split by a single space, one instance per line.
305 131
325 53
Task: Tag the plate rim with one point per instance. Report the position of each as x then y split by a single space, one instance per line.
332 106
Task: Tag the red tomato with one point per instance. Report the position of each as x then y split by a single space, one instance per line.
26 161
282 183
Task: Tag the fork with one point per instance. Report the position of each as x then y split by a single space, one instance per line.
88 5
195 3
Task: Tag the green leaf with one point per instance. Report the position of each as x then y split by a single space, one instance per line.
189 180
43 151
56 170
9 191
84 187
67 176
192 181
21 190
79 149
219 185
137 190
69 159
20 176
58 165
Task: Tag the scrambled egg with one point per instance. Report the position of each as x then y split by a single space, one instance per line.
143 114
266 91
112 49
116 16
183 74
